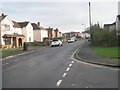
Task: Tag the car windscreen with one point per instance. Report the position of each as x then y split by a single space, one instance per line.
55 40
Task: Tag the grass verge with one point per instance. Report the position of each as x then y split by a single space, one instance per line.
109 52
13 50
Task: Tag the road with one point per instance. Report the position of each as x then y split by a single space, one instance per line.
52 67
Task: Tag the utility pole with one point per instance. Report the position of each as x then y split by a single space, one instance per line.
90 14
90 20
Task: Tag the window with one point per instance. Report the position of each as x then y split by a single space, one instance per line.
7 41
29 39
7 27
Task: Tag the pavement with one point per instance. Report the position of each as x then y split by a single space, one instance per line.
86 54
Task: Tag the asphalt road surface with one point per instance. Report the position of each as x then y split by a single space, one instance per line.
52 67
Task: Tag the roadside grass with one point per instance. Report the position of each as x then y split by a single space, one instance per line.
109 52
4 52
13 50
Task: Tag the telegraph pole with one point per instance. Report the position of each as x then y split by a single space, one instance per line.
90 14
90 20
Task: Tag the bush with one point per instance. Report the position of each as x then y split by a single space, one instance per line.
103 37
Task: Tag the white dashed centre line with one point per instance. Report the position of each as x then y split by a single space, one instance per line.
67 69
64 74
58 83
72 62
70 65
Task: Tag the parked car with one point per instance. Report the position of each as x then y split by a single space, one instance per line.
71 40
89 38
56 42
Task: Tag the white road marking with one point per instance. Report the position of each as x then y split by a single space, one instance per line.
70 65
58 83
5 64
64 74
67 69
72 62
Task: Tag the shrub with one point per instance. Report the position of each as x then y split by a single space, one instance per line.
102 37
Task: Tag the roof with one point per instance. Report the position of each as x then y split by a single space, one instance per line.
23 24
49 29
35 26
13 35
56 30
42 28
110 24
2 17
16 24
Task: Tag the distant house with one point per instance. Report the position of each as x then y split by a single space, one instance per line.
51 32
60 34
10 33
83 35
118 25
71 34
110 27
57 33
39 32
27 31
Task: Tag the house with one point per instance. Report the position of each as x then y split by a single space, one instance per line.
19 37
39 32
85 35
9 36
51 32
57 33
110 27
60 34
71 34
118 25
27 31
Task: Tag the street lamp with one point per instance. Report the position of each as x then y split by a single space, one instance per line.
49 36
85 31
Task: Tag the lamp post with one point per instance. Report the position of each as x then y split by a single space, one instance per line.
85 31
49 36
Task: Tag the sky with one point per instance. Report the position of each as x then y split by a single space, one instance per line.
65 15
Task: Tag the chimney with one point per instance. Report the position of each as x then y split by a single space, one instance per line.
3 14
38 23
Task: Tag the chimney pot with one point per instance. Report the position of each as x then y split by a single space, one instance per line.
38 23
3 14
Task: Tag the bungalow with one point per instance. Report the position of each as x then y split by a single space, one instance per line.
27 31
39 32
9 37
